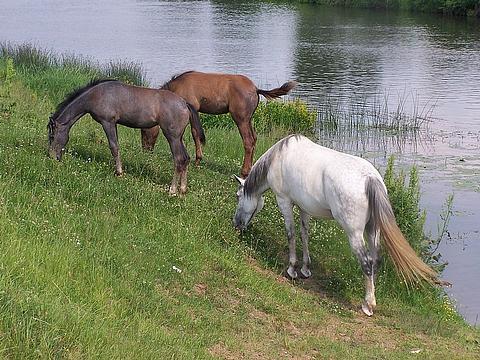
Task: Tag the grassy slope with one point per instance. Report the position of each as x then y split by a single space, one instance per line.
87 262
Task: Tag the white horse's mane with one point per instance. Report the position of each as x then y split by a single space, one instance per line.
259 172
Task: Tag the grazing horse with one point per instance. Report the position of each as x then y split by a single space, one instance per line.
212 93
111 102
324 183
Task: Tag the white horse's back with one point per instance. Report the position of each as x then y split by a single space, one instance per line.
321 181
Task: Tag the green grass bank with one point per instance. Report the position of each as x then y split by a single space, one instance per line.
94 266
446 7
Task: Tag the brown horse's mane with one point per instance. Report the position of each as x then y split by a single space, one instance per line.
74 94
166 86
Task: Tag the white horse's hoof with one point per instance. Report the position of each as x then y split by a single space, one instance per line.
291 273
306 273
367 309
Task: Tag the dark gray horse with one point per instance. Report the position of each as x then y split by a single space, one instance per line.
111 102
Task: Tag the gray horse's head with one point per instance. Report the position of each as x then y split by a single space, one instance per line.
56 139
247 207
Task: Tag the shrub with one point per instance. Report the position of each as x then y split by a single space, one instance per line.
292 116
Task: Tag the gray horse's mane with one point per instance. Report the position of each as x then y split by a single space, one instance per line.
68 100
166 86
259 172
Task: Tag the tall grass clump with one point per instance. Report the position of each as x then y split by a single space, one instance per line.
291 116
56 75
7 77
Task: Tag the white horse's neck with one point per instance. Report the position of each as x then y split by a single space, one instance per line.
257 182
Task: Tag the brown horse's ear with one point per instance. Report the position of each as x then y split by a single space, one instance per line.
239 179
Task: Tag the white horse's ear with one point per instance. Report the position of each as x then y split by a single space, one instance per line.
239 179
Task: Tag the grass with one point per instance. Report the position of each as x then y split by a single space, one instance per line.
94 266
53 75
447 7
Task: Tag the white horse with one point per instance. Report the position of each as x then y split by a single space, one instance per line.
328 184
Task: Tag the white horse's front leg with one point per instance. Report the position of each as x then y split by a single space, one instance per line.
286 206
305 218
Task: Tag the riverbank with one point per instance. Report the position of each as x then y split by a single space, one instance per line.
469 8
97 266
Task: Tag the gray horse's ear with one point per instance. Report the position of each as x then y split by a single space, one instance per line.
239 179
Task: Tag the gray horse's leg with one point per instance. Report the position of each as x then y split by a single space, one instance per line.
304 219
110 129
181 160
183 181
286 208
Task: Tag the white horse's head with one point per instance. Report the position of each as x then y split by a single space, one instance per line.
247 206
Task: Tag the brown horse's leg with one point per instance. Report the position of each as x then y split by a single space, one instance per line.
181 160
110 129
149 137
249 140
198 146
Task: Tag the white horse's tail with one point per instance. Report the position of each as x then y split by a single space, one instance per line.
406 261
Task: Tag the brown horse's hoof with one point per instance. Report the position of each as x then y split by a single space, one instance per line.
197 162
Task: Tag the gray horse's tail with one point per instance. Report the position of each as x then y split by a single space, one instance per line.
195 123
277 92
406 261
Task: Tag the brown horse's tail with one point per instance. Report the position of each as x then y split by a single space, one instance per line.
406 261
280 91
195 123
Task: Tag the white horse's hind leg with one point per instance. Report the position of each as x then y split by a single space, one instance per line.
357 244
370 303
286 207
373 238
305 218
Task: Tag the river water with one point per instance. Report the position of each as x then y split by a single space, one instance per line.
425 64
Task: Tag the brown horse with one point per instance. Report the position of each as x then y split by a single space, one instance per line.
111 102
220 94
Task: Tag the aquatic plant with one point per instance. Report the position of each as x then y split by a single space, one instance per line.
361 126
